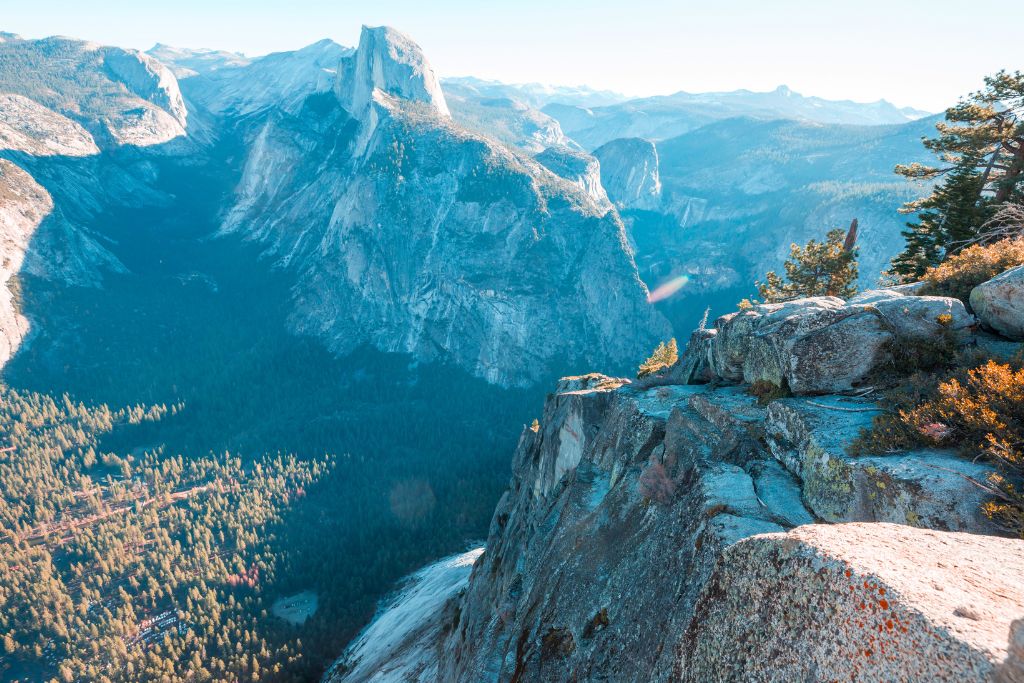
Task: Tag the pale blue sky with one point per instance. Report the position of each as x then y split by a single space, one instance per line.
921 53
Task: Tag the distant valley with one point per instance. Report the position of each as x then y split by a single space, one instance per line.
335 254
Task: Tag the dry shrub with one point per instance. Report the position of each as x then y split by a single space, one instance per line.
964 271
909 355
655 484
665 356
978 410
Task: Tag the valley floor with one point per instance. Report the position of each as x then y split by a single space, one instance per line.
198 325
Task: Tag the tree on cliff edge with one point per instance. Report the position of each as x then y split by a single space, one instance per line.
981 149
827 268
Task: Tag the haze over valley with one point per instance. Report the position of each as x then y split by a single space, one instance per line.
272 330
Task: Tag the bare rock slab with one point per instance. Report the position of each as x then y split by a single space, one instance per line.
863 602
928 488
999 303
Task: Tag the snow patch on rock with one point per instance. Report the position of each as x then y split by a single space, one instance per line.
282 80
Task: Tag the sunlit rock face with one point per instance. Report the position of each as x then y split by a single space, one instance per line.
414 235
23 204
629 173
387 63
400 644
667 532
29 127
578 167
866 602
999 303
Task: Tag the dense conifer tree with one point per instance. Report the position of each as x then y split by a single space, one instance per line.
980 147
827 268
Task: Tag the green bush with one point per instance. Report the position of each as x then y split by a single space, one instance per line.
766 391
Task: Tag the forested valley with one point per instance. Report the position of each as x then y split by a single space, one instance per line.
173 462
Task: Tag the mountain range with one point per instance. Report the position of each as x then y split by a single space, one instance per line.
660 118
333 250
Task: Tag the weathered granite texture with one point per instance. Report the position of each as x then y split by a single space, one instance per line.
819 345
860 602
999 303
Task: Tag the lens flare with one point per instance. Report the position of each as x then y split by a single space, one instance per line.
667 289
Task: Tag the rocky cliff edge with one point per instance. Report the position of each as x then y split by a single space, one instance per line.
663 530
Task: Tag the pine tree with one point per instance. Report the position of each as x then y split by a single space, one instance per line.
826 268
981 149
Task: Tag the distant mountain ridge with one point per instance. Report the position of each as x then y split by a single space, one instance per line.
268 100
409 233
187 62
663 117
783 102
538 94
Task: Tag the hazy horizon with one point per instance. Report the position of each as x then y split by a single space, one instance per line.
648 48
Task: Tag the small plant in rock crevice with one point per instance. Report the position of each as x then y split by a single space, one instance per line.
665 356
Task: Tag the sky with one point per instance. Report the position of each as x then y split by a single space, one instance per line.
921 53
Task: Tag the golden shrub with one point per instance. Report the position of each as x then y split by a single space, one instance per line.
665 356
964 271
979 410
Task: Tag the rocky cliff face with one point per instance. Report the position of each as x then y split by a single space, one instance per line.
122 97
503 116
23 204
77 122
411 234
629 172
148 79
690 532
579 168
387 64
